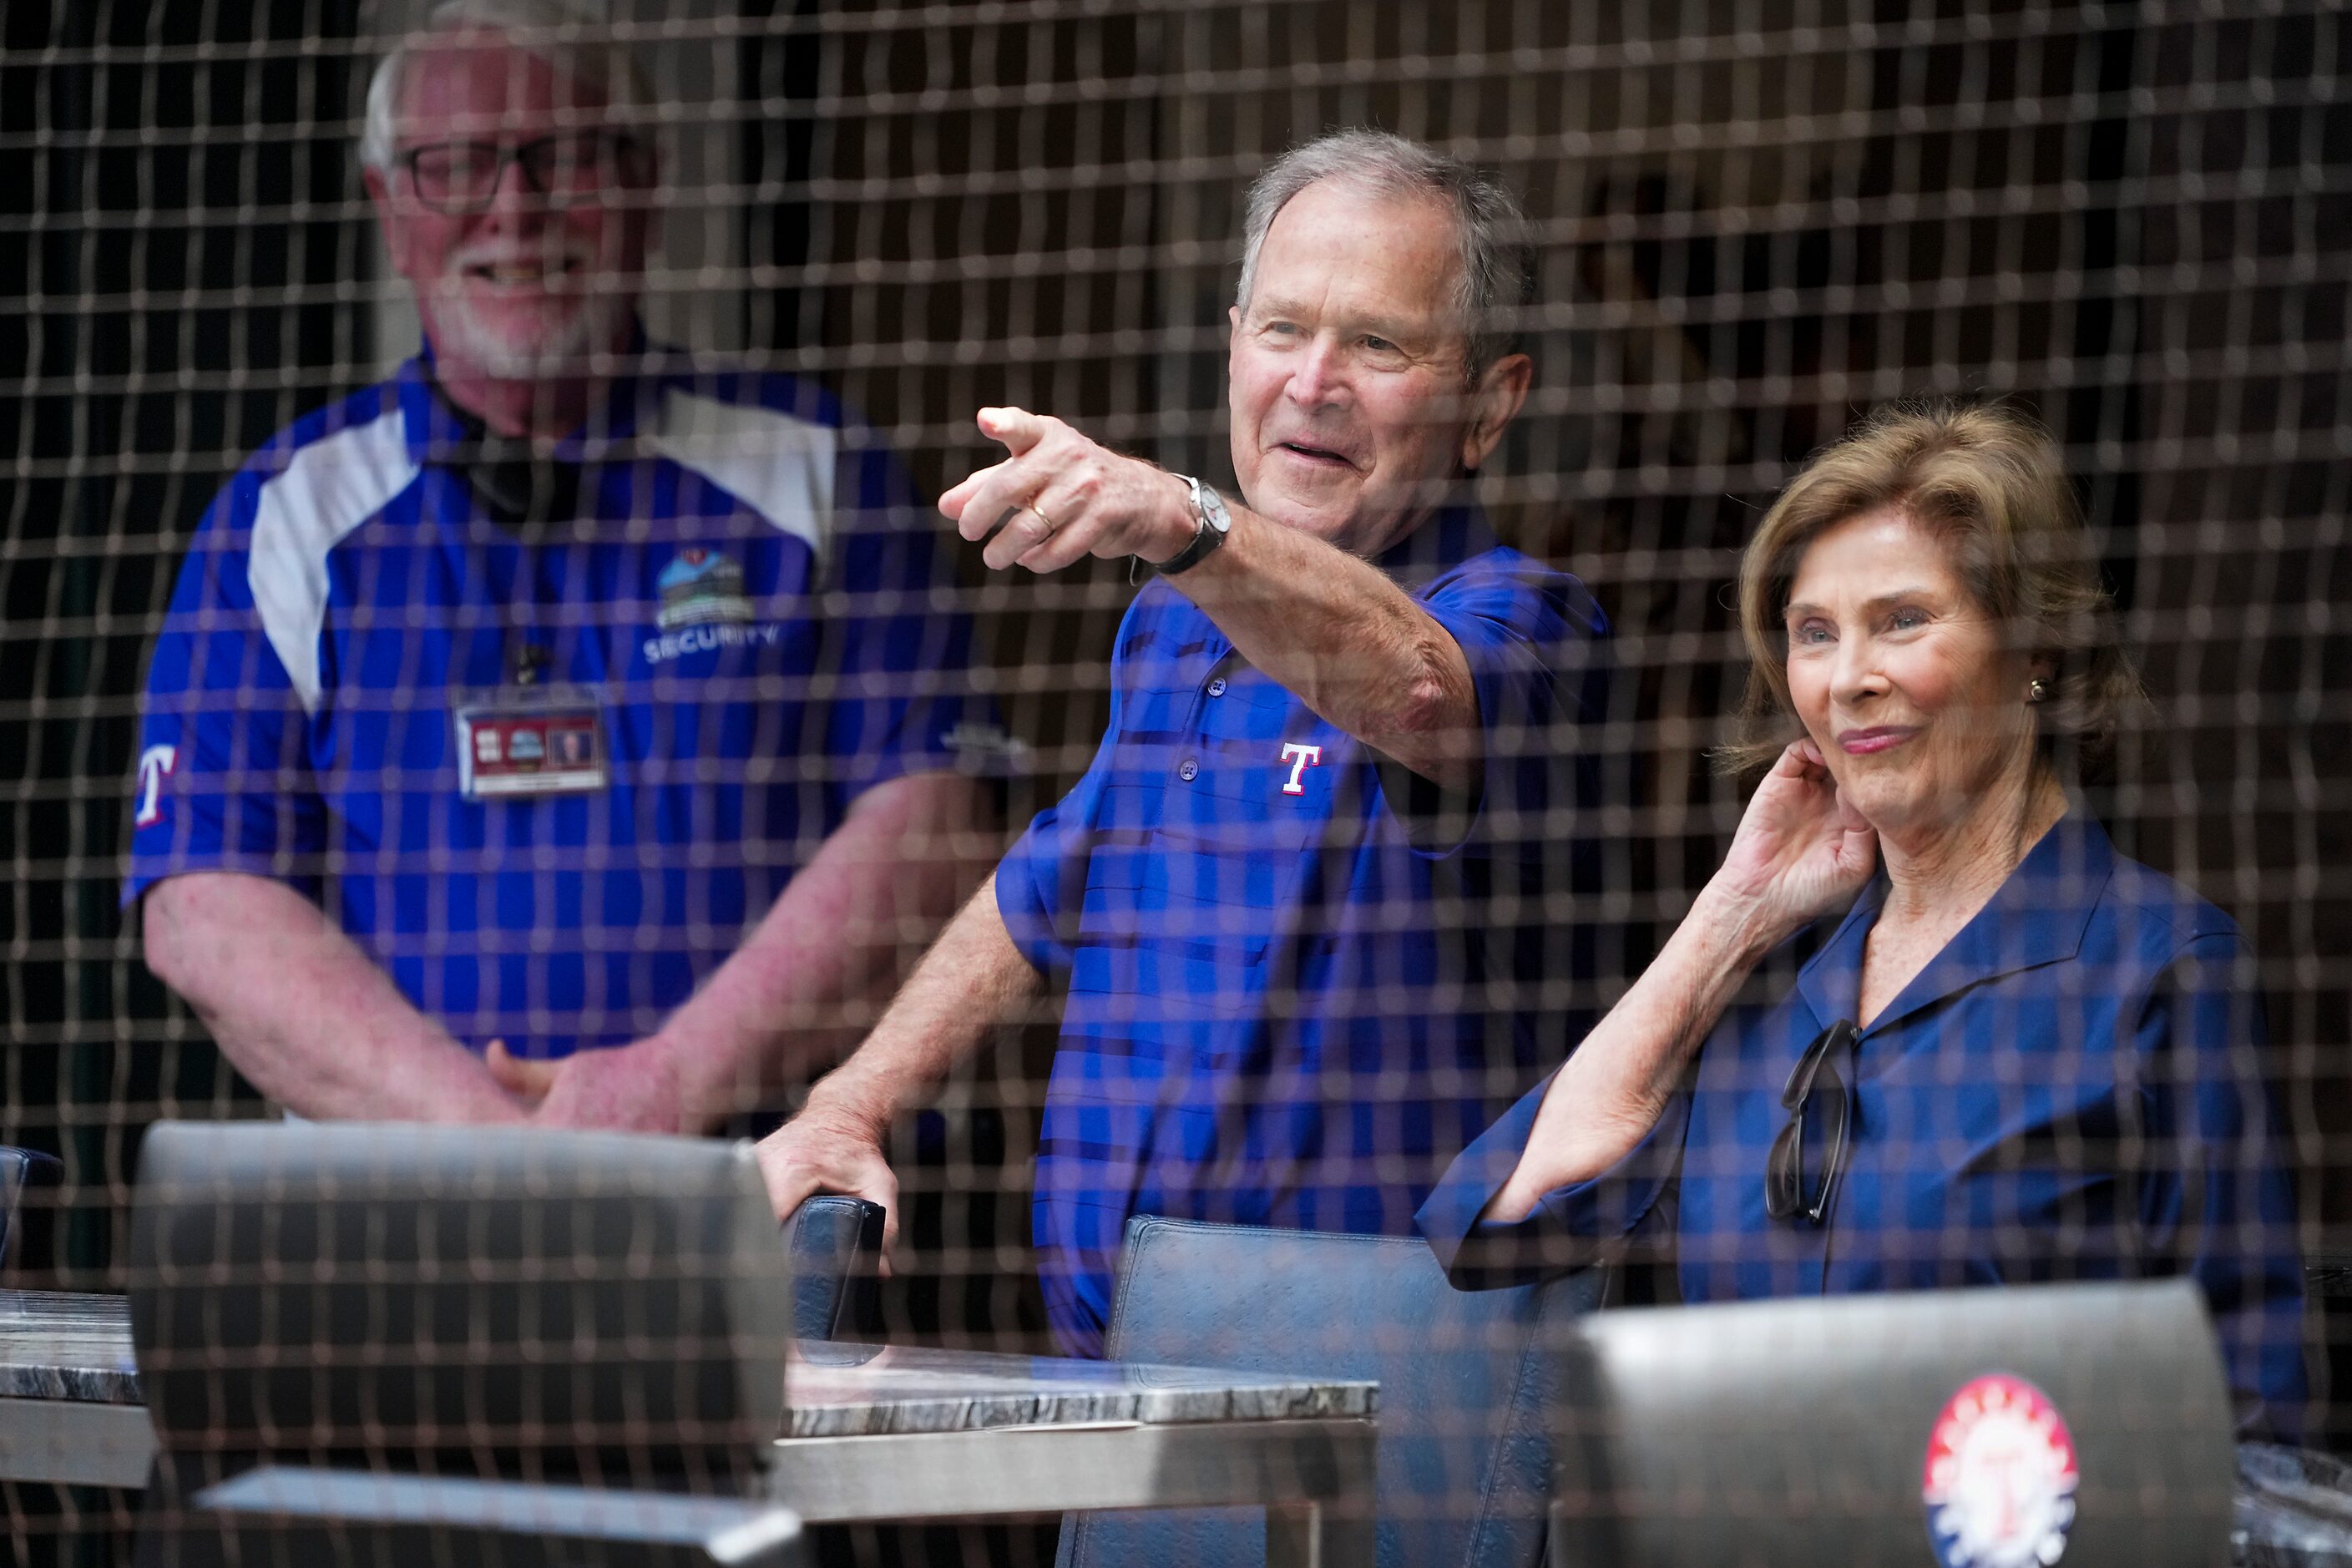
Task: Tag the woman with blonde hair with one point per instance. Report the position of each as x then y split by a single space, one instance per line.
1925 1028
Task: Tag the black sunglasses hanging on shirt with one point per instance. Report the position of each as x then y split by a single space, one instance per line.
1784 1168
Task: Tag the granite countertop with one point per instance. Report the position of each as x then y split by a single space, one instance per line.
75 1347
55 1345
869 1391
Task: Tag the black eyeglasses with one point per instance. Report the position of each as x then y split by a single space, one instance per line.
1784 1170
458 177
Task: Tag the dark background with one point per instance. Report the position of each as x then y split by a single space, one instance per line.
1759 219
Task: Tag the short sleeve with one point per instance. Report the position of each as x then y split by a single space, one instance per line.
1533 639
905 700
1571 1228
2216 1199
223 779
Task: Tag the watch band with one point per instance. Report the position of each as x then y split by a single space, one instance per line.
1213 523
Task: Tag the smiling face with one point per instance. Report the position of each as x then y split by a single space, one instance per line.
526 287
1352 414
1902 680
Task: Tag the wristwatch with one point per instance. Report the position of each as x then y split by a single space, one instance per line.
1214 522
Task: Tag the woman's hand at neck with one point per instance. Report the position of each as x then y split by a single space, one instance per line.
1801 851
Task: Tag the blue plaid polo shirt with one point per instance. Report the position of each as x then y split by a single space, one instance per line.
1286 1004
2072 1089
746 590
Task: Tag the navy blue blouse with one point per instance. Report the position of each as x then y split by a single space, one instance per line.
2072 1090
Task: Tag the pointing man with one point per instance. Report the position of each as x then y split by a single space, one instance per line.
1336 721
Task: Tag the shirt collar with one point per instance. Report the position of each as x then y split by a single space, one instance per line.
2036 917
1456 532
434 429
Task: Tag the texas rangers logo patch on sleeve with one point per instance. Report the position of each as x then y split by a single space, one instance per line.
2000 1477
157 763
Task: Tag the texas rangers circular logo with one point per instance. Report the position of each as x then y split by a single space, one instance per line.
2000 1481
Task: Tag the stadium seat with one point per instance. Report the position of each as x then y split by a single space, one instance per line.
19 1168
526 1315
2088 1421
1463 1474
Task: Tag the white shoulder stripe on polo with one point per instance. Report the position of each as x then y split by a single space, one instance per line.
330 488
780 467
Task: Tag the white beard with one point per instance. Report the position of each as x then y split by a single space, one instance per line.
559 340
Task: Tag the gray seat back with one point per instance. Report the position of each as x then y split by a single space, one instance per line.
1462 1472
1969 1426
508 1306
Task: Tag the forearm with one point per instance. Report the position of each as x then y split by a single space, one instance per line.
306 1015
1353 645
802 988
973 979
1612 1089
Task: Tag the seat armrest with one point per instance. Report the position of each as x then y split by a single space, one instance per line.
519 1522
19 1169
834 1244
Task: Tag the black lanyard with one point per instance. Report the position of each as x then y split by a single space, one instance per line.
514 482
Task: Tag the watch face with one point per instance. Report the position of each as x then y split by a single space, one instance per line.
1212 507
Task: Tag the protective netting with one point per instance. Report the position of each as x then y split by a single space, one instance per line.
1756 220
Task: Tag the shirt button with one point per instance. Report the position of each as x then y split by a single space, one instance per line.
1188 770
1217 687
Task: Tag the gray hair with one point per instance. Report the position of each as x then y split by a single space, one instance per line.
1498 258
557 32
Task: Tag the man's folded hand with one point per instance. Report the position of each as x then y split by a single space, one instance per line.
633 1088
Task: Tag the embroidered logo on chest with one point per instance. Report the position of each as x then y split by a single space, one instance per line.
701 585
1300 757
704 608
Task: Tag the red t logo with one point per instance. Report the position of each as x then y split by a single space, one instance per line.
157 763
1300 758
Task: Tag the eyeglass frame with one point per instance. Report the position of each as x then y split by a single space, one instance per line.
1784 1166
622 144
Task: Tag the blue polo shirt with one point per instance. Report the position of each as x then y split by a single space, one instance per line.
750 601
2072 1090
1287 1005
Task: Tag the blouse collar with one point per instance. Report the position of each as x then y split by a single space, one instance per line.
2036 917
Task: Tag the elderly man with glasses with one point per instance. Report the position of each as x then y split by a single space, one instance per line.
550 731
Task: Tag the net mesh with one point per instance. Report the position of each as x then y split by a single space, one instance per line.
1755 218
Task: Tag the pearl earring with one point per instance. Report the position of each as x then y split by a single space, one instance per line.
2037 690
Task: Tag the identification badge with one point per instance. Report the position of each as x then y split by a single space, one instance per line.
531 741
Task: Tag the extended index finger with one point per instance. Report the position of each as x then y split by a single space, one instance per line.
1017 427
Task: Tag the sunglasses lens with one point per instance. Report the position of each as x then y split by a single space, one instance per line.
1816 1090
